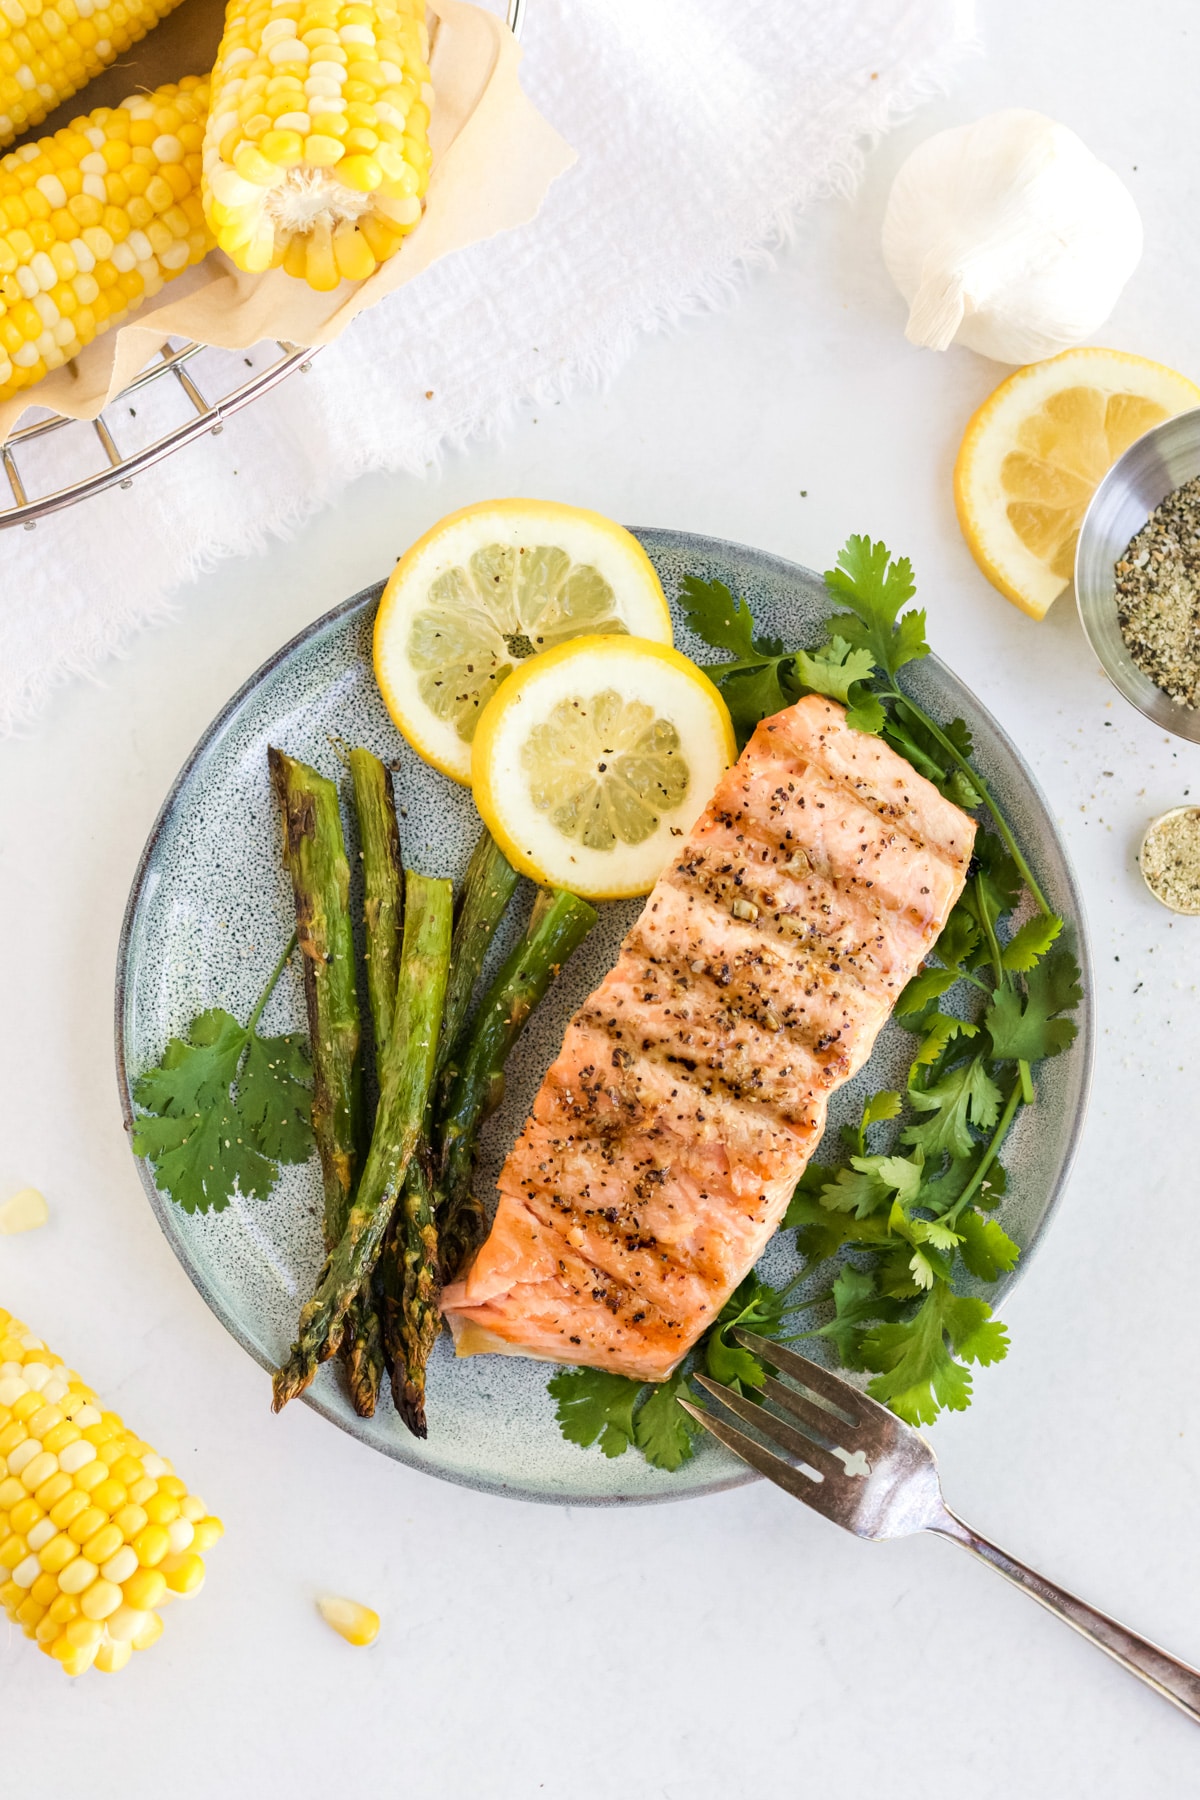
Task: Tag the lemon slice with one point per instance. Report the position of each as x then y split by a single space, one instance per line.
593 762
1035 452
486 589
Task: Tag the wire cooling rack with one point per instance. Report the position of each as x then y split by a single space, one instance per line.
37 455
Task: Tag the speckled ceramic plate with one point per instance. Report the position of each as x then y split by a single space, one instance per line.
210 908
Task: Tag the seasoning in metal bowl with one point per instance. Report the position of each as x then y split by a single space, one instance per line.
1158 595
1170 859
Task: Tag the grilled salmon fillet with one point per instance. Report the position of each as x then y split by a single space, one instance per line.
691 1087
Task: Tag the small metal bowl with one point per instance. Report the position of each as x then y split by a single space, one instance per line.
1160 461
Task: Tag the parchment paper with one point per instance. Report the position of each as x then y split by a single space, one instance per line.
494 157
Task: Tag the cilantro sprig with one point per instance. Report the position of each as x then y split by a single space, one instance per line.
908 1210
225 1107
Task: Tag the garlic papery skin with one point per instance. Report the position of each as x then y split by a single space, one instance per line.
1010 237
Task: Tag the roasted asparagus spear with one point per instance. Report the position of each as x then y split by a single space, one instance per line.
383 909
409 1265
383 885
557 926
314 854
405 1076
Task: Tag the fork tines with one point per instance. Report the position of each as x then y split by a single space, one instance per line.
823 1415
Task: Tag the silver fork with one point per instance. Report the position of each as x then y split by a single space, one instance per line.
848 1457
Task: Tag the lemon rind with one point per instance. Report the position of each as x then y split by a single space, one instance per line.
1001 556
443 748
495 715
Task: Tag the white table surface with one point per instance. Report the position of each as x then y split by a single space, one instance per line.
734 1645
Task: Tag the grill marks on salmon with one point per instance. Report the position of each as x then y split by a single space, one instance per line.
692 1086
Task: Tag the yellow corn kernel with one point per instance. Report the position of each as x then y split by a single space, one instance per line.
100 1599
358 1624
55 1555
185 1573
112 1657
105 1543
144 1589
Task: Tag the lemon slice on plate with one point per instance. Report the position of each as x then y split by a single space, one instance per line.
486 589
593 762
1037 449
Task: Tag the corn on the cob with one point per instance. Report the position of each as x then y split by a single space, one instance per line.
49 50
317 153
96 1531
93 221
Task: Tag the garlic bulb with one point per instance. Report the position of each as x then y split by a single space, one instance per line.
1009 236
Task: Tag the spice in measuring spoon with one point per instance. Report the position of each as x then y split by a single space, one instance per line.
1158 595
1170 859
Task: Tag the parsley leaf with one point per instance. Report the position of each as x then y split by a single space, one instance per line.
875 587
596 1406
1029 1030
915 1359
223 1108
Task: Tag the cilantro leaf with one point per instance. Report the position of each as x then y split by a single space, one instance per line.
199 1159
833 669
856 1190
987 1250
208 1129
877 1109
928 985
663 1432
940 1030
595 1406
758 1306
224 1108
856 1300
197 1070
715 616
276 1098
915 1359
1030 942
964 1096
959 940
1031 1029
751 696
875 587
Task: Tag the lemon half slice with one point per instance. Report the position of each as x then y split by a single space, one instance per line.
486 589
593 762
1037 449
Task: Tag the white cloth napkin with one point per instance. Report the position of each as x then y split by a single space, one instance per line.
702 129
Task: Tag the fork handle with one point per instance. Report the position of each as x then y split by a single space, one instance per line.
1174 1680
